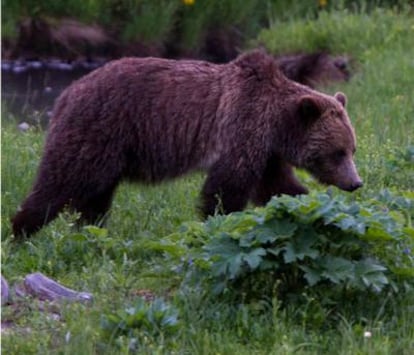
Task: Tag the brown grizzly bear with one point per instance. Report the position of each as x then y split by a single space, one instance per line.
315 68
154 119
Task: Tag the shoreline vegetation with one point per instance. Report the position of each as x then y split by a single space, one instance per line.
212 30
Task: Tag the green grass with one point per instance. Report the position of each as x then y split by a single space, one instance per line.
114 266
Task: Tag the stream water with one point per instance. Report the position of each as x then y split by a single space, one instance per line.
29 88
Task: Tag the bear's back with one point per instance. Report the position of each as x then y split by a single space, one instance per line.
162 112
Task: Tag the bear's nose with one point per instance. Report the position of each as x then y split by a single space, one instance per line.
356 185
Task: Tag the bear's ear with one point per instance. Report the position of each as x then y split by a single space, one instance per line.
339 96
310 108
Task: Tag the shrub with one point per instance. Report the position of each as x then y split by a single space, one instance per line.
316 242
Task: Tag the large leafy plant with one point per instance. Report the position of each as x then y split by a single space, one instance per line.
313 242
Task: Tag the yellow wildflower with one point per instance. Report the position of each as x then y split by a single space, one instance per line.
323 3
188 2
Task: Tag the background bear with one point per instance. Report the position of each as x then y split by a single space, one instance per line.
315 68
154 119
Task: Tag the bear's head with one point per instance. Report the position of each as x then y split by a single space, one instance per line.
328 142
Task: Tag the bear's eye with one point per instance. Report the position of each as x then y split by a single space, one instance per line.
339 155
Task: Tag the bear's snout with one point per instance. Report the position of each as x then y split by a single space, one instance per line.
354 186
349 180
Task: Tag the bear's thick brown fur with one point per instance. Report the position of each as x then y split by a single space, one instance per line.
154 119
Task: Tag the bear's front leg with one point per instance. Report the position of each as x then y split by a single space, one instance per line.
278 178
227 189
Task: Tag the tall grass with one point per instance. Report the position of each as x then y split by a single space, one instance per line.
156 22
114 266
356 33
150 21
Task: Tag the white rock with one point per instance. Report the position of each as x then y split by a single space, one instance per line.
24 126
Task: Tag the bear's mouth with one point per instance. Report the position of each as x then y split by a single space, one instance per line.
326 178
352 187
349 187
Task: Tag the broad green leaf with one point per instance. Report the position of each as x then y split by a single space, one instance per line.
375 280
269 232
223 246
238 223
324 211
219 268
260 235
301 246
235 265
281 228
254 258
249 240
289 255
346 223
306 211
354 209
311 275
337 269
275 251
335 217
368 266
